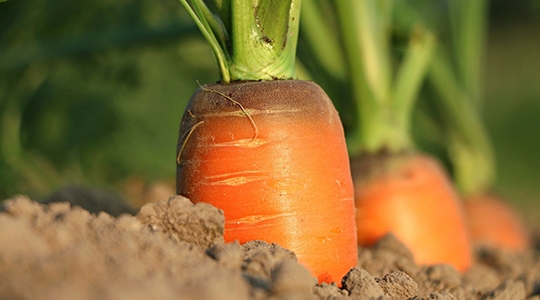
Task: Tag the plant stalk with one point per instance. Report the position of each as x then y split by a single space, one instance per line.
457 79
252 40
384 98
470 148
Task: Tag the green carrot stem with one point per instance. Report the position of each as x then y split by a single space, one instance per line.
458 82
469 19
470 148
360 88
196 11
251 40
384 101
411 75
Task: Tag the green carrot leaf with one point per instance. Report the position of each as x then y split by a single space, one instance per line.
412 73
469 146
468 20
199 13
223 8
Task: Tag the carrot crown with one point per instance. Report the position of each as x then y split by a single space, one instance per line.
251 39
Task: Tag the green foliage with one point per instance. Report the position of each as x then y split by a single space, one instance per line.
251 40
455 77
93 92
382 86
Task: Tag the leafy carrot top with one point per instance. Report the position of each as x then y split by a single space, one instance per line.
251 39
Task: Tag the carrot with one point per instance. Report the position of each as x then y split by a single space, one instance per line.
412 197
456 78
493 222
398 189
270 153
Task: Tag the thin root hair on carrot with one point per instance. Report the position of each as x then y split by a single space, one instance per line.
184 140
255 128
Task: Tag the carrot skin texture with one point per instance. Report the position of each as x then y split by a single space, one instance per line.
412 197
493 222
281 175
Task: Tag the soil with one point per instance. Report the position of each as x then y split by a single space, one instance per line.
173 249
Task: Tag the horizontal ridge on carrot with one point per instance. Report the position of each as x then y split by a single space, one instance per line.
268 150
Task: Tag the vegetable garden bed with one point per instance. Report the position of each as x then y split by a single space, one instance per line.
174 249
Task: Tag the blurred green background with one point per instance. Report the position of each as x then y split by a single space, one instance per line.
512 108
93 93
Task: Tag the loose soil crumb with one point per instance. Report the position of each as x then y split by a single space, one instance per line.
174 249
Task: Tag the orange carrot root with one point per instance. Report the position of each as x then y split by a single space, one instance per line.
288 184
411 197
493 222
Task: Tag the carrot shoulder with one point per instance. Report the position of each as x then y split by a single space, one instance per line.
272 156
